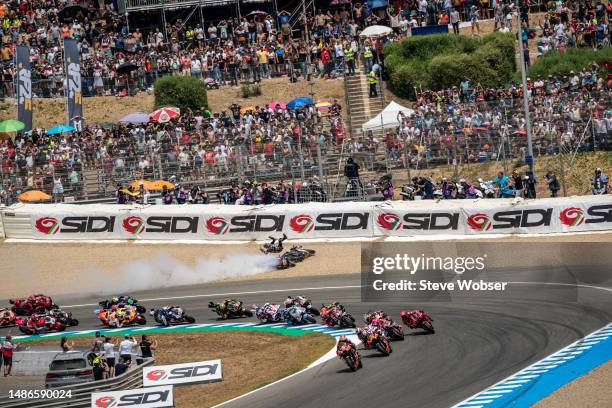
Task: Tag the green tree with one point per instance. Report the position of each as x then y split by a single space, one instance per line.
181 92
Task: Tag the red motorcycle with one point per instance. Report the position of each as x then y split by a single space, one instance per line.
348 352
7 317
375 339
37 324
33 304
391 329
418 319
336 317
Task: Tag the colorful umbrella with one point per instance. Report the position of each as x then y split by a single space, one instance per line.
164 115
275 105
33 196
300 102
147 184
58 129
137 117
160 184
11 125
324 105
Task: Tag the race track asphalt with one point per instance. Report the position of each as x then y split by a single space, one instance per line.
480 338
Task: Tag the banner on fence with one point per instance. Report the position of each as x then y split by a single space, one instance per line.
321 220
151 397
24 86
183 374
74 94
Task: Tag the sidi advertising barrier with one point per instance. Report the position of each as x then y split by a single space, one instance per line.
152 397
183 374
314 220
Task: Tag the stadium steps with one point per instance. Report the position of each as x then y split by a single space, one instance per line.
362 107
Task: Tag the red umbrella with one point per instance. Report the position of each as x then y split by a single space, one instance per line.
520 132
165 114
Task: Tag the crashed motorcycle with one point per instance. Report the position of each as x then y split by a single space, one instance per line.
268 313
38 324
350 355
63 317
418 319
8 317
230 309
167 316
336 317
283 262
33 304
121 316
297 315
123 300
298 254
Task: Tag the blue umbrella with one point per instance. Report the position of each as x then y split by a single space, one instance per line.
300 102
137 117
57 129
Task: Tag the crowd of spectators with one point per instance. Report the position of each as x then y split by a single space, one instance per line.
576 24
197 146
119 59
472 124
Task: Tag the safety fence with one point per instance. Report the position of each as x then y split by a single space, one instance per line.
81 393
304 221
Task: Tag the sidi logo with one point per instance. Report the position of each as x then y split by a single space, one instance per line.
47 225
217 225
301 223
156 375
389 221
185 373
106 402
134 224
75 225
150 397
479 222
572 217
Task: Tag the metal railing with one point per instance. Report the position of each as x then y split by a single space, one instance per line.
81 393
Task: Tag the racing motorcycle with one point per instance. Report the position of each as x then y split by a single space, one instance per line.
284 262
170 315
230 309
302 301
268 313
391 329
122 300
38 323
336 317
120 316
418 319
63 317
8 318
297 315
36 303
298 254
350 355
374 338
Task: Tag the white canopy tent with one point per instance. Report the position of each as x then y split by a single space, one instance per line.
388 118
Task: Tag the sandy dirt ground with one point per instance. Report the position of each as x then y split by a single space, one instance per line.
245 364
589 391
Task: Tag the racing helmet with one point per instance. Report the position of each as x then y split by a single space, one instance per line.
343 338
120 314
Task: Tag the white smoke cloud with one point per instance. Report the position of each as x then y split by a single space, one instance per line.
165 271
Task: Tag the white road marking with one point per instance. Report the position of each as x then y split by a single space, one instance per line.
231 293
